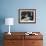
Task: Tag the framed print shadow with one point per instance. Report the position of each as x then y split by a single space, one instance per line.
27 15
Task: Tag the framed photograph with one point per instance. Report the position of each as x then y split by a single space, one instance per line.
27 15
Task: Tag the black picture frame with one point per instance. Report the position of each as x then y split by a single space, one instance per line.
27 15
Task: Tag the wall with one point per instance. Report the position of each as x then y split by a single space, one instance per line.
9 8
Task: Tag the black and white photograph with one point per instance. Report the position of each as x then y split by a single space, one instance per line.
27 15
